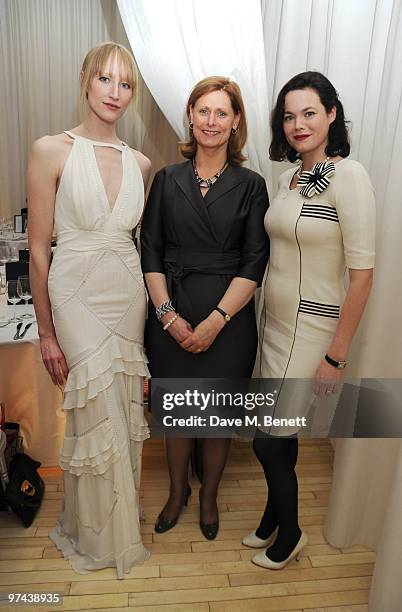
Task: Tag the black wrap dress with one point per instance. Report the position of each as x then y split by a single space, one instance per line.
201 244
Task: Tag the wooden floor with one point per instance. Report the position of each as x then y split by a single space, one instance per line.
188 573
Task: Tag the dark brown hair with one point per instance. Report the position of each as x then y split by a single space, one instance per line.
338 139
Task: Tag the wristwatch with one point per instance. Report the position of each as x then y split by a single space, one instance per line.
340 365
224 314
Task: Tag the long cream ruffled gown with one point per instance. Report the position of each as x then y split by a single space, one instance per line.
98 301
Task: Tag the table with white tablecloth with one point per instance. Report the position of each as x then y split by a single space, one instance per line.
31 398
18 241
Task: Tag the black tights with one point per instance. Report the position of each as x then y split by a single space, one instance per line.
278 457
214 454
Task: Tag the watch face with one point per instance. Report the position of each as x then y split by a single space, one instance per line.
227 317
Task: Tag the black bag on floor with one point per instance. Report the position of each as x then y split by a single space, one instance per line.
26 488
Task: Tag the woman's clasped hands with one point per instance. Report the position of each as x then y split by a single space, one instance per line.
200 338
179 329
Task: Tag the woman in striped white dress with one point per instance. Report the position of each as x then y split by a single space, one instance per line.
321 223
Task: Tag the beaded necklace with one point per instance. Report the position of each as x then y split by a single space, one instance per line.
208 182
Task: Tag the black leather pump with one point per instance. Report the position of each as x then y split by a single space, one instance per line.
163 524
208 530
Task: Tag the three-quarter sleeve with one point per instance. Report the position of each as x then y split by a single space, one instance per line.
355 206
255 247
152 236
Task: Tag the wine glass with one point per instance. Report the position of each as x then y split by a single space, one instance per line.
13 297
24 292
4 255
3 306
14 253
8 227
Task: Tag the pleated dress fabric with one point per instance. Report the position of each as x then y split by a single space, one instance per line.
98 301
313 241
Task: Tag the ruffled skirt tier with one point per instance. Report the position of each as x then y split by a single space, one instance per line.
100 331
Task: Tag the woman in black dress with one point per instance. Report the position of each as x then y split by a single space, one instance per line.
204 250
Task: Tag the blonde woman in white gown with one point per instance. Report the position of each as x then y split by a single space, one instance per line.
86 187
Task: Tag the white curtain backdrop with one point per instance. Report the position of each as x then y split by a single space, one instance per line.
177 43
358 45
42 46
365 508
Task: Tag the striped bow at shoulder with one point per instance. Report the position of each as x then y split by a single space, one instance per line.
316 180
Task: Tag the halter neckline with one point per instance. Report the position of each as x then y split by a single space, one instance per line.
119 147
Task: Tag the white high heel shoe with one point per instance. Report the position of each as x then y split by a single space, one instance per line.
263 561
253 541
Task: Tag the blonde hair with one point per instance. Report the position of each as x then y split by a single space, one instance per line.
95 62
237 141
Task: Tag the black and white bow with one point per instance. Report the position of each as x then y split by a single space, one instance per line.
317 179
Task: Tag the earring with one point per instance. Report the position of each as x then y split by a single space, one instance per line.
190 126
234 130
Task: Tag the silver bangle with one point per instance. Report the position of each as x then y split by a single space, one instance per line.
163 309
169 323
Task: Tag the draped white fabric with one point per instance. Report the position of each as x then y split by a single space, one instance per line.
42 46
364 508
358 45
380 147
177 43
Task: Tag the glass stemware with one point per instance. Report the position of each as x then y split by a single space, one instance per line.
13 297
4 255
14 253
3 302
24 292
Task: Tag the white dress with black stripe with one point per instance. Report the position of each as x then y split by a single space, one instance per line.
313 241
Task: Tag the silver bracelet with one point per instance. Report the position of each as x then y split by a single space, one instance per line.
169 323
163 309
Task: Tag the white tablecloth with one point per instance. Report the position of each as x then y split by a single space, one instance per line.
31 398
20 242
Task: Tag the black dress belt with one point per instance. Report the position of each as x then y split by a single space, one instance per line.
179 263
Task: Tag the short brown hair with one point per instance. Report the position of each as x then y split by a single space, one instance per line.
94 63
237 141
